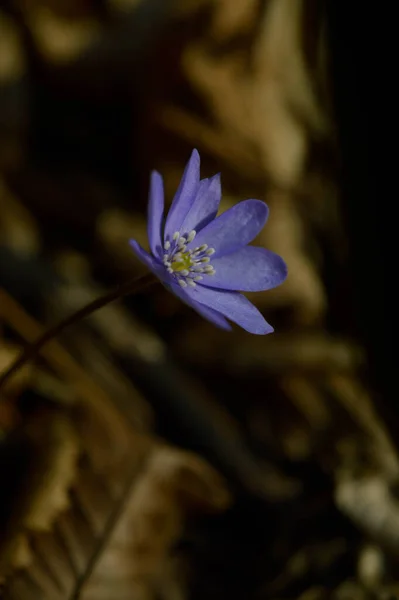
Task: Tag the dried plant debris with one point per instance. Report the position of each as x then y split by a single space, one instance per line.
49 465
94 505
86 474
111 544
172 485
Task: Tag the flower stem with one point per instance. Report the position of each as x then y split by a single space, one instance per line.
130 287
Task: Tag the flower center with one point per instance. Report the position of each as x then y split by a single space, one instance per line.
183 263
187 265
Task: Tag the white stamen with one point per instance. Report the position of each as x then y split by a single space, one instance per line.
193 262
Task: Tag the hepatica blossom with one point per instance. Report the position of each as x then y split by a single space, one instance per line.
204 259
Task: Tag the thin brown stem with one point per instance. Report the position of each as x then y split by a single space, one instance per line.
31 351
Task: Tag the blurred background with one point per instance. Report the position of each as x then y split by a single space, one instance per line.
145 454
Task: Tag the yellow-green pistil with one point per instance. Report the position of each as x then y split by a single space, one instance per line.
182 263
188 266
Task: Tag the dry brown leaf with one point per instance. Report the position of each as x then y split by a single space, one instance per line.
231 17
60 40
285 352
12 60
18 229
114 544
172 484
104 416
358 403
22 378
54 455
259 108
69 516
286 235
211 138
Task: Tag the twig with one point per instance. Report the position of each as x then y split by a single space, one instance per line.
130 287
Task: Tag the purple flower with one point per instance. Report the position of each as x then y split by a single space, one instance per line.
205 259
